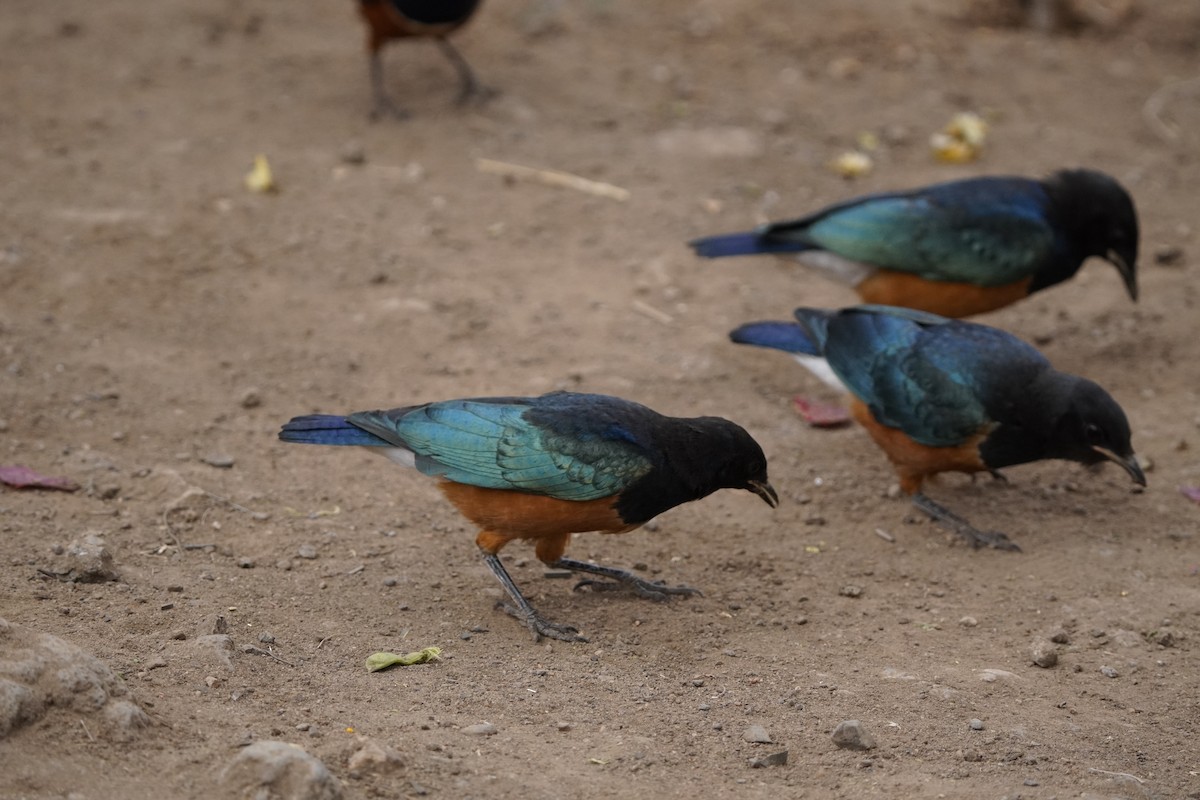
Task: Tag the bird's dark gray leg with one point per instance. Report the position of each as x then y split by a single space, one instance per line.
954 522
648 589
471 87
383 104
523 611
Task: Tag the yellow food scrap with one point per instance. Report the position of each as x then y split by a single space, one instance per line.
961 140
259 179
852 164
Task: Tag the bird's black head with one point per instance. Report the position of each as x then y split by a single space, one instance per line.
1100 217
735 460
1093 429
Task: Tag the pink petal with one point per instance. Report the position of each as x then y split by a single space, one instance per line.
1191 493
20 477
821 415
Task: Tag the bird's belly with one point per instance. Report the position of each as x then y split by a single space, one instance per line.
518 515
948 298
915 461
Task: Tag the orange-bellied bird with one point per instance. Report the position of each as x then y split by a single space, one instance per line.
401 19
958 248
542 468
942 395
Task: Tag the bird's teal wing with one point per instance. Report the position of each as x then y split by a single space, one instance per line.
492 443
988 241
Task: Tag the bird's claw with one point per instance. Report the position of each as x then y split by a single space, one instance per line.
651 590
540 627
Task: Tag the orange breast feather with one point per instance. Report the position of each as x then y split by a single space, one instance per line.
504 516
890 288
914 461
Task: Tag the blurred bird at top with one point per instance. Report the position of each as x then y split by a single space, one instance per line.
401 19
941 395
958 248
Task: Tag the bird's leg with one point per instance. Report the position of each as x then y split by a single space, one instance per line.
949 519
383 104
471 87
522 610
622 577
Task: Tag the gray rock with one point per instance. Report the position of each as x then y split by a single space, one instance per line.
41 672
1109 672
757 734
481 729
215 649
851 735
774 760
218 460
371 756
272 769
85 560
307 551
1044 655
976 724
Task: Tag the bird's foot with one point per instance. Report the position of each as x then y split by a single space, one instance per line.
997 540
384 108
651 590
540 626
475 94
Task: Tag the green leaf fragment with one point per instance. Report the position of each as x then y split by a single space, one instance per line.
378 661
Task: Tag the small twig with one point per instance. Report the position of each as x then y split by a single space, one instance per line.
85 730
1117 774
198 546
645 309
552 177
357 569
258 651
882 534
323 641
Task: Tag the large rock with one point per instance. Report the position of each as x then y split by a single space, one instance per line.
40 672
273 770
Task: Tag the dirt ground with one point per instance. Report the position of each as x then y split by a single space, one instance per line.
158 322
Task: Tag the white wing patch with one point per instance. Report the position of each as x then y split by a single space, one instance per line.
820 367
402 456
843 270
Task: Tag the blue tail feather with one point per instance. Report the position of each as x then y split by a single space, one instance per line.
328 429
790 337
742 244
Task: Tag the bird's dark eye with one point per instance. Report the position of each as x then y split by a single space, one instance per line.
1093 433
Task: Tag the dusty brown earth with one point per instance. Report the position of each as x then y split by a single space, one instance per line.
158 321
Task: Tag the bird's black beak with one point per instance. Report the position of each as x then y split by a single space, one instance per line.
764 490
1128 270
1128 463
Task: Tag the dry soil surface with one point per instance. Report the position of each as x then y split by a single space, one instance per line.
158 322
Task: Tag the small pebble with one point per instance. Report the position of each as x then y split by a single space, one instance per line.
773 760
245 562
353 152
976 724
251 399
851 735
968 622
266 638
563 726
218 460
1060 636
1044 655
307 551
757 734
481 729
1109 672
850 591
390 581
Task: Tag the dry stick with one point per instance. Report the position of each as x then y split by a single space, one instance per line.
1117 774
552 177
85 730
